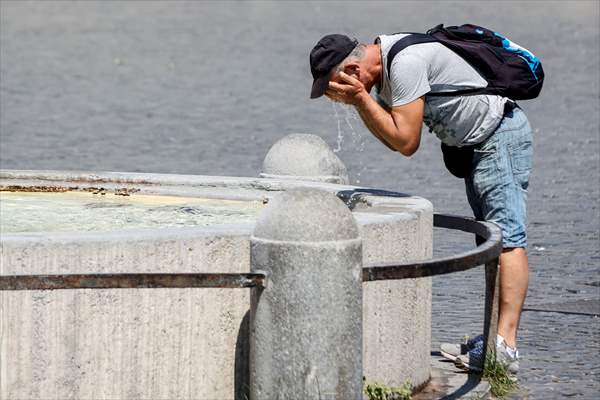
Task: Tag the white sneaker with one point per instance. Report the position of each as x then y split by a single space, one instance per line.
473 359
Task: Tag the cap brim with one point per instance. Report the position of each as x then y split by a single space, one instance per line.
319 86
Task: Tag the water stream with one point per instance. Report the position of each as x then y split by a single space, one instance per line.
347 116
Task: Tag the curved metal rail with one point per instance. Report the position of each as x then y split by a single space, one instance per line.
489 237
131 281
489 250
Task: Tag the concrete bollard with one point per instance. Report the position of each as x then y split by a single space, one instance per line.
304 157
306 325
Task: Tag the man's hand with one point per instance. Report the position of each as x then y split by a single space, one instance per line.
348 91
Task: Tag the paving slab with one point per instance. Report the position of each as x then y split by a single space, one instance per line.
449 383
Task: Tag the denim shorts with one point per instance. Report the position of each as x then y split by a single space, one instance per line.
497 186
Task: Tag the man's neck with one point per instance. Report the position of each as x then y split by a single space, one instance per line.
374 63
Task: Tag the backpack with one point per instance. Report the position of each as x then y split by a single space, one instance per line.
510 70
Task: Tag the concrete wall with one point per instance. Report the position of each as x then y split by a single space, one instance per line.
123 343
397 314
188 343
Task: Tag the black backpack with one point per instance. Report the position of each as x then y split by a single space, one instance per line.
510 70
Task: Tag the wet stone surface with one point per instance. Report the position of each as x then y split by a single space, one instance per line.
146 87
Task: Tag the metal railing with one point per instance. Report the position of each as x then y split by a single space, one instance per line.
486 253
132 281
489 238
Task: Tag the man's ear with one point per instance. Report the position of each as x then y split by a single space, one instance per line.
352 69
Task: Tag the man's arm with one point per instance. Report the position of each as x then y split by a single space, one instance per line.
399 129
381 139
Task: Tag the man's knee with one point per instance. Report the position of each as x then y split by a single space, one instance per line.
514 250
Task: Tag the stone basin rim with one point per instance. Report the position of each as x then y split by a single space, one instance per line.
147 181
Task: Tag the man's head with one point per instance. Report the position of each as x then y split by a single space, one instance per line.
334 54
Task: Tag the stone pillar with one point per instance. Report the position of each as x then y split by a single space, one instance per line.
306 325
304 157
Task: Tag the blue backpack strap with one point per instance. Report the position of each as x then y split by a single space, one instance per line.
417 38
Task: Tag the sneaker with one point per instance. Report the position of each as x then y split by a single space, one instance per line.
503 356
453 350
473 360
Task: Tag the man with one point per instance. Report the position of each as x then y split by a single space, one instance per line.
346 71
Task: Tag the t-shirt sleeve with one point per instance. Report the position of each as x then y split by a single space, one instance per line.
408 79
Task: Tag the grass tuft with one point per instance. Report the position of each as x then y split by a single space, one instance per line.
499 378
378 391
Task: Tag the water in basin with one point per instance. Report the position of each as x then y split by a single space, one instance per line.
82 211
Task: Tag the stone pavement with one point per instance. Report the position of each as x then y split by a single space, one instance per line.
449 383
559 351
207 88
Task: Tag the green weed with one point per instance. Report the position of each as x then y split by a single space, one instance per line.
378 391
498 377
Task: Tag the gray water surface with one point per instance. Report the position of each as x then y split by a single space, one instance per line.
207 87
26 212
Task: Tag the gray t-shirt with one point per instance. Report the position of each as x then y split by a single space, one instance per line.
432 67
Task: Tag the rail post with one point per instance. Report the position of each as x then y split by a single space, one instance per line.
492 299
306 324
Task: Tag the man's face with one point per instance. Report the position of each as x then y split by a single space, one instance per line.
356 70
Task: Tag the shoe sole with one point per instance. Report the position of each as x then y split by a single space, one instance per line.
461 365
448 356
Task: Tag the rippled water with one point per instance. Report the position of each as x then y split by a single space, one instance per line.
208 87
79 211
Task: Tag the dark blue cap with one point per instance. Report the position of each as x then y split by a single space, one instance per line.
329 52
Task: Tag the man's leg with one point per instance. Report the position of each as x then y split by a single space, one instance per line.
497 192
514 278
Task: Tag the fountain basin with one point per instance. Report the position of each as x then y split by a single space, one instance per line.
184 343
